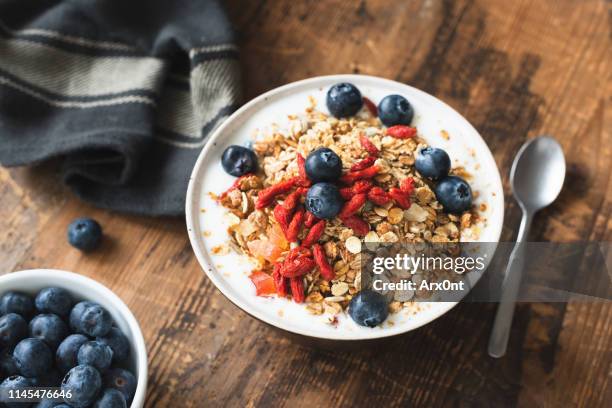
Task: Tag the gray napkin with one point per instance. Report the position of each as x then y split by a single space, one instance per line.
125 92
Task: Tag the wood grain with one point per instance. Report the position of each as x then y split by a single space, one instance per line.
515 69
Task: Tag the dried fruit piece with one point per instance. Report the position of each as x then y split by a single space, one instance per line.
264 283
402 131
353 176
327 272
407 185
280 282
301 162
378 196
353 205
282 216
363 164
297 267
370 106
297 289
310 219
400 198
314 234
367 144
292 200
295 225
359 226
267 195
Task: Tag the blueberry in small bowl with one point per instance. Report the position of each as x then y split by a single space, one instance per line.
53 354
84 234
324 200
344 100
395 110
454 193
238 161
323 164
432 162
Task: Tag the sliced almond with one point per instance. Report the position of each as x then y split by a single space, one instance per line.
395 215
381 211
339 289
353 245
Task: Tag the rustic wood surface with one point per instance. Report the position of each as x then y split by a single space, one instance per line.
515 69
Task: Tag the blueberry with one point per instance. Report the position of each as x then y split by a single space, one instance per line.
32 357
84 383
16 302
53 300
324 200
323 164
49 328
53 378
121 380
76 312
84 234
14 382
66 354
13 329
7 364
433 163
395 110
111 398
455 194
118 342
95 321
344 100
238 160
95 354
368 308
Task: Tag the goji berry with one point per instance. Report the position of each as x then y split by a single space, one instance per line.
359 226
310 219
314 234
400 198
351 177
301 163
282 216
401 132
362 186
363 164
367 144
353 205
292 200
235 185
298 267
370 106
279 281
295 225
378 196
297 289
327 272
267 195
407 186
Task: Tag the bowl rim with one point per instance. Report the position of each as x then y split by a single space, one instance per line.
191 214
82 281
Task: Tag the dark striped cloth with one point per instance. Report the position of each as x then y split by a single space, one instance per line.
124 91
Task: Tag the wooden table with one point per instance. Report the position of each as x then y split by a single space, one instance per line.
515 69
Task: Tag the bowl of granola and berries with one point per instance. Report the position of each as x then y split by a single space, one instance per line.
290 190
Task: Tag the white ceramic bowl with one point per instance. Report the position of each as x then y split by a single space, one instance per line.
83 288
207 227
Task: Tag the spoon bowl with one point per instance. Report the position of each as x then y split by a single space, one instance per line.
538 173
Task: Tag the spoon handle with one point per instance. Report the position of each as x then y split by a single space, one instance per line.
511 284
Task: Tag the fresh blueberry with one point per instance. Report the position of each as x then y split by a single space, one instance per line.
84 234
67 352
368 308
7 364
53 300
433 163
111 398
121 380
95 354
323 164
84 383
13 329
344 100
118 342
324 200
49 328
95 321
395 110
32 357
238 160
16 302
76 312
455 194
14 382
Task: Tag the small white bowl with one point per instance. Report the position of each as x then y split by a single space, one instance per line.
208 229
83 288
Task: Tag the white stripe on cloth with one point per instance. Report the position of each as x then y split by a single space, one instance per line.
69 39
74 104
212 48
70 74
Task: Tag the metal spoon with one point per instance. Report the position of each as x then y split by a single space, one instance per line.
536 178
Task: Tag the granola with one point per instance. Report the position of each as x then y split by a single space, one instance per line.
386 201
